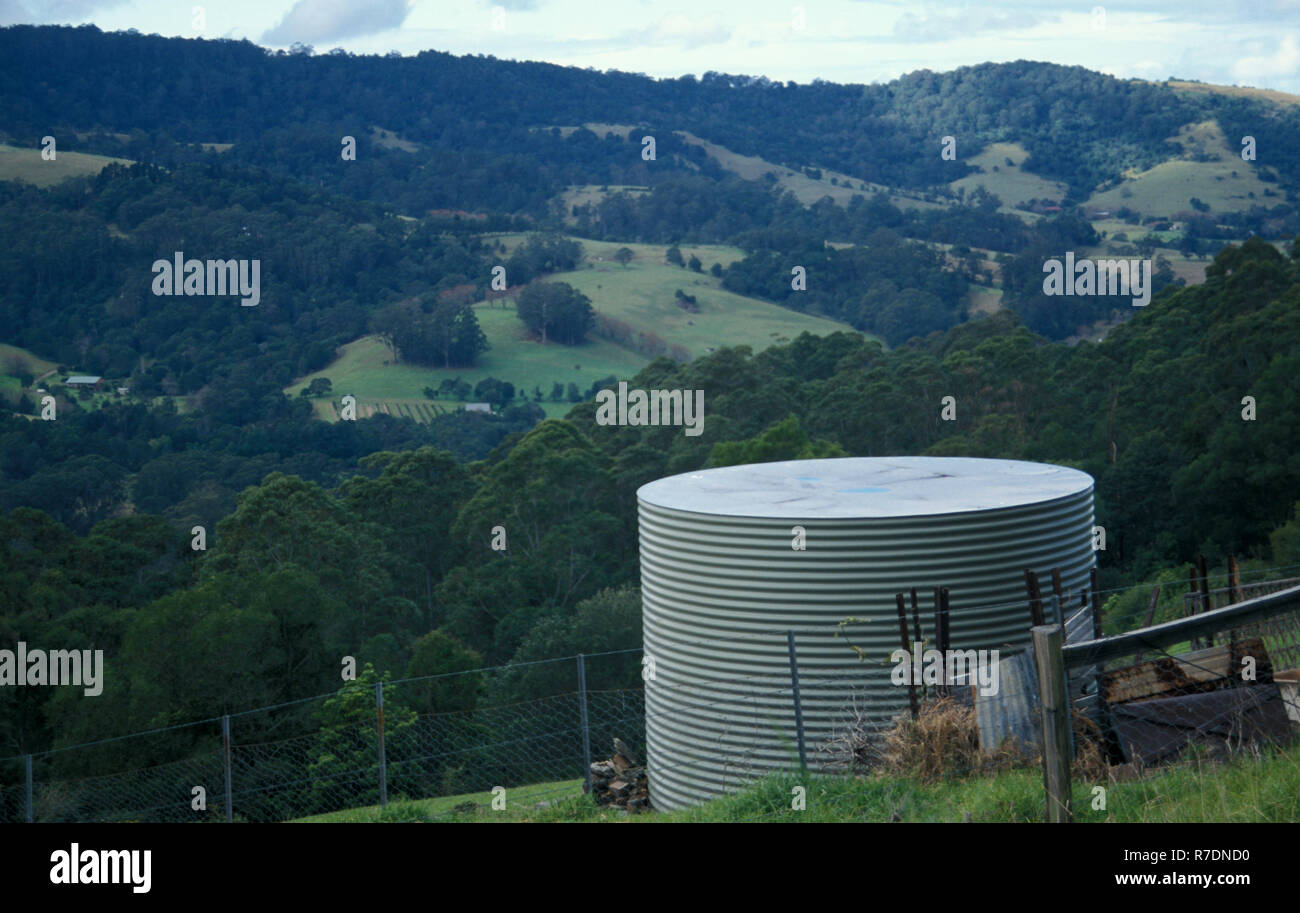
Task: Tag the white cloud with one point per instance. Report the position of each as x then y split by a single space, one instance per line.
941 27
15 12
1260 70
329 20
681 30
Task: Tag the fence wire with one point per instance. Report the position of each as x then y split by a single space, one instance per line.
296 761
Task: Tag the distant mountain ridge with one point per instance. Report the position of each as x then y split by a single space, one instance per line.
475 118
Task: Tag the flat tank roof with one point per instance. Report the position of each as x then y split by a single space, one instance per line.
858 487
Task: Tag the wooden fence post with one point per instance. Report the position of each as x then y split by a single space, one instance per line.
1203 572
1054 698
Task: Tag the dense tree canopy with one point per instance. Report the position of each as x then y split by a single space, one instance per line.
556 312
485 538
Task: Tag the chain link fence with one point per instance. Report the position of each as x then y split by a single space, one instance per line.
349 750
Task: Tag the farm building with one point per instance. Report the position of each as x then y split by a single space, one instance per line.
85 380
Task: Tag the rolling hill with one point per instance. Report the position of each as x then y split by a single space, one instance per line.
25 164
641 294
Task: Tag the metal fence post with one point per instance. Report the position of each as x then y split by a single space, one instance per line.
586 726
383 761
225 751
30 809
1055 703
798 706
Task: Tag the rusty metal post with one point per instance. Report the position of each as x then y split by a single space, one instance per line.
916 616
383 761
29 790
586 726
907 648
1035 599
225 750
1203 572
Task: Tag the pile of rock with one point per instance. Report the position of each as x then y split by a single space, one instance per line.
621 781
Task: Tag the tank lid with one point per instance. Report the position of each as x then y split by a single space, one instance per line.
903 486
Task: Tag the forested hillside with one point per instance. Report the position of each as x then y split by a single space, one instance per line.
391 561
1080 127
437 139
371 538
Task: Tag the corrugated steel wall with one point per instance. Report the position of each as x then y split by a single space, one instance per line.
719 593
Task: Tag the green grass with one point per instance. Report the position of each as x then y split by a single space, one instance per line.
984 300
601 253
586 194
17 360
752 168
25 164
1168 188
32 362
1009 183
1280 98
365 368
806 189
445 808
1241 790
640 294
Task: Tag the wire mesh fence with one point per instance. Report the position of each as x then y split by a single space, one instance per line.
367 746
228 769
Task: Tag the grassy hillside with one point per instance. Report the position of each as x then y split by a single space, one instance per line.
601 253
365 368
15 361
640 294
1273 95
805 188
584 194
24 164
838 186
643 295
1222 180
1008 182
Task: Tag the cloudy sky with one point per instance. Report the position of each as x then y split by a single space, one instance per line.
1241 42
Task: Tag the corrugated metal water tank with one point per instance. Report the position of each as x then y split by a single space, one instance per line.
721 585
